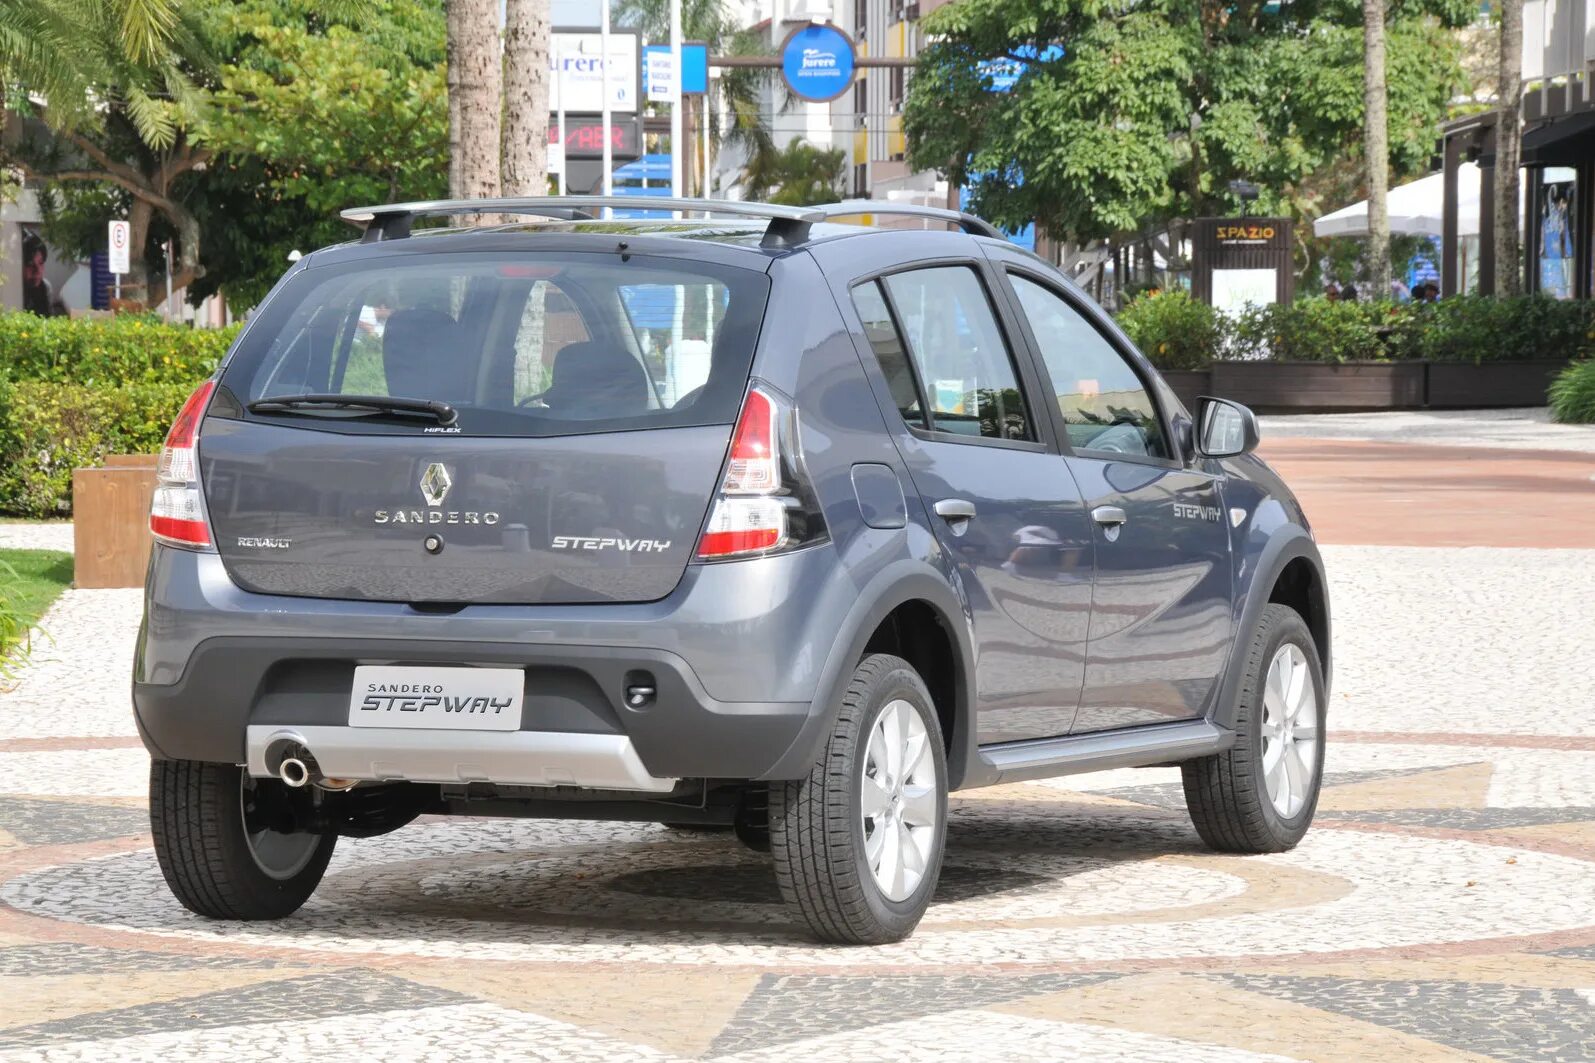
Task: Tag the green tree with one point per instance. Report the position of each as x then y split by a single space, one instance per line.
1151 109
300 108
131 127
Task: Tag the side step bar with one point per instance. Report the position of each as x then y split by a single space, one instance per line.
1135 747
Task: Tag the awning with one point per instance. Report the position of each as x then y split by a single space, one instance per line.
1565 139
1414 208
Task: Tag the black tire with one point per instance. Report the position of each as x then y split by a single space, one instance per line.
197 815
1227 794
817 826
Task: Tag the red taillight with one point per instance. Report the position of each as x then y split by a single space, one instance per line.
752 467
749 514
177 513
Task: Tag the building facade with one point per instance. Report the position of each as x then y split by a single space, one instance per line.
1558 178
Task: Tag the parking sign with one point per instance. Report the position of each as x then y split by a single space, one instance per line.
118 240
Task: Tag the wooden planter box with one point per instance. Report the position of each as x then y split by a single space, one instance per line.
1300 387
111 521
1189 385
1457 385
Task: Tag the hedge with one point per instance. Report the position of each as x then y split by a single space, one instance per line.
130 349
47 429
73 390
1177 333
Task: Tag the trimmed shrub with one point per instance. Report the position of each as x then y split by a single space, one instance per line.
1461 329
1572 395
128 349
1313 330
1174 330
1479 328
47 429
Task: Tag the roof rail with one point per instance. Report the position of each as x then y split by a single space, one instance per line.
967 222
392 221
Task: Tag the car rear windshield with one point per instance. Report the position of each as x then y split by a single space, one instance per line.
517 344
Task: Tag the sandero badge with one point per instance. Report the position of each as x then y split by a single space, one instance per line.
435 484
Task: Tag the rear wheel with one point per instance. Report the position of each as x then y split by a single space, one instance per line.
858 843
1259 796
228 844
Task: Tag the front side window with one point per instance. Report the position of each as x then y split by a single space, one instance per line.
957 349
1105 405
523 344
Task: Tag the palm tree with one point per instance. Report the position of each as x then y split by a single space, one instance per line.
740 87
526 98
475 74
1509 151
1376 145
56 50
799 176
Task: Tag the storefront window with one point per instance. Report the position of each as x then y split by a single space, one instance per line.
1556 227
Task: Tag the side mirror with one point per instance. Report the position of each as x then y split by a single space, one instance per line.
1228 429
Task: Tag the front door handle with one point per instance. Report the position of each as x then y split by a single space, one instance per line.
955 509
1109 516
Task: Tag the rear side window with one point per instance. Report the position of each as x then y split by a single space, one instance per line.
963 363
888 347
519 344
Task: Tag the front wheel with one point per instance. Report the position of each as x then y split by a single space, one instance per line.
858 842
1259 796
229 845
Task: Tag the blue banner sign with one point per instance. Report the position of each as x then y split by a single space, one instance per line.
1006 71
694 66
817 62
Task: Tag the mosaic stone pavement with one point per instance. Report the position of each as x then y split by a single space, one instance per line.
1443 907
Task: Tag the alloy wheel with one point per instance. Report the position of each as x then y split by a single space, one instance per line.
900 801
1290 731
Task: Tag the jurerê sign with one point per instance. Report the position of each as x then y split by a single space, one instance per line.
817 62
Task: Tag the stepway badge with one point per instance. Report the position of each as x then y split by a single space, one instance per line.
817 62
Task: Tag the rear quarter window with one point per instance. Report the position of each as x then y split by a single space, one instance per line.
519 344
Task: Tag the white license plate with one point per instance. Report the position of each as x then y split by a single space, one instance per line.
442 699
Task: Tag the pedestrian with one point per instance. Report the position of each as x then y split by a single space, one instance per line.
1349 293
1332 292
1399 290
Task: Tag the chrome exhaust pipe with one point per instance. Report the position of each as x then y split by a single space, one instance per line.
293 772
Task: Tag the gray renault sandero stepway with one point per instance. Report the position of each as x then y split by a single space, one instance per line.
750 520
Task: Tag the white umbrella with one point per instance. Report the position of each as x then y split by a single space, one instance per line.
1414 208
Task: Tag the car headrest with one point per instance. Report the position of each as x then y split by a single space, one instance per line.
596 380
420 355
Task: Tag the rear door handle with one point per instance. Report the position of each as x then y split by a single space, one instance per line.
955 509
1109 516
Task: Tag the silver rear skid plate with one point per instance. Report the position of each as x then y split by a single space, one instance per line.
518 758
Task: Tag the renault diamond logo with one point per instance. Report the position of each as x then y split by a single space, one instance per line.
435 484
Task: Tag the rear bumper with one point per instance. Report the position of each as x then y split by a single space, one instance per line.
236 688
220 670
519 758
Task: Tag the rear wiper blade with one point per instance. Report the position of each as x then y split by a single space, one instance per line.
442 411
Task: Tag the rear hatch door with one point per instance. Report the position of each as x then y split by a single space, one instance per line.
588 402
